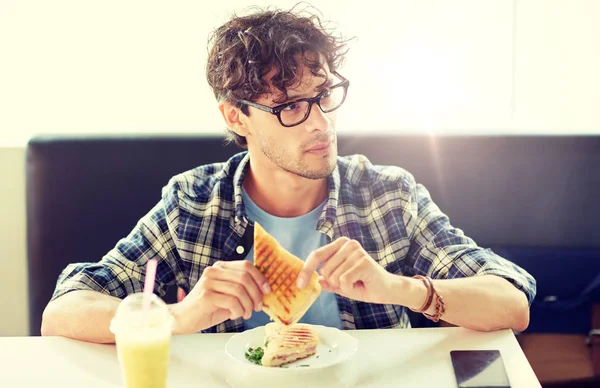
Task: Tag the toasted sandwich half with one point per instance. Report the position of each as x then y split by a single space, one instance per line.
286 303
285 344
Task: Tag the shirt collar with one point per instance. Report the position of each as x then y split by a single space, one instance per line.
240 220
328 216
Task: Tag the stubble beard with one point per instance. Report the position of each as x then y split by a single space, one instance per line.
294 163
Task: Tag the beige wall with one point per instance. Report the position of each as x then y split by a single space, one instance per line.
13 286
434 65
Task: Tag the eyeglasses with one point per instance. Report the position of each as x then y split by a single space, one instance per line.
296 112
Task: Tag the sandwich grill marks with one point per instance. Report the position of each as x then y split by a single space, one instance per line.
286 303
280 274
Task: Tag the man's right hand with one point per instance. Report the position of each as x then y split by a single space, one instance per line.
226 290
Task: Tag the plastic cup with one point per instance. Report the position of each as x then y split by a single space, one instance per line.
143 339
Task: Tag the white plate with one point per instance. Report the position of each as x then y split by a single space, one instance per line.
336 347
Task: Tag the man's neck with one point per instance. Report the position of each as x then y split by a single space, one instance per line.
291 196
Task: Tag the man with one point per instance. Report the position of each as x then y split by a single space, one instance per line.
368 229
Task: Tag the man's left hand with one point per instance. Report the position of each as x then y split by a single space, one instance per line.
348 270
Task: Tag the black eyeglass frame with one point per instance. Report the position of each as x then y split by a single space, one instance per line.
276 110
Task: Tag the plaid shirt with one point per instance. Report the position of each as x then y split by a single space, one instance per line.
201 219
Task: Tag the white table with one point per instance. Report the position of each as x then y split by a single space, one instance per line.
386 358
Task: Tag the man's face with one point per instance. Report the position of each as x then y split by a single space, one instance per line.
308 149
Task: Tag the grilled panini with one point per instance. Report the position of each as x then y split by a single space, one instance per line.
285 344
286 303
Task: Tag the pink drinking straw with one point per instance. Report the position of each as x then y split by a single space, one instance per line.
149 283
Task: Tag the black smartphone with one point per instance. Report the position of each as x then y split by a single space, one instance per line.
479 369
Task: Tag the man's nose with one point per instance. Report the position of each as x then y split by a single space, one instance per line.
317 120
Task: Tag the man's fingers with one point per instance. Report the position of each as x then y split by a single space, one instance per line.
349 251
236 290
245 279
333 275
321 255
352 278
228 302
325 285
245 266
318 257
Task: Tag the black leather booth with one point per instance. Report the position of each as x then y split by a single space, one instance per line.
535 200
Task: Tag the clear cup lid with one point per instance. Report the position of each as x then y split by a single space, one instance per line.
131 315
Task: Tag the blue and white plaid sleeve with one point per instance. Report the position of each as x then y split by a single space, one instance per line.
122 270
442 251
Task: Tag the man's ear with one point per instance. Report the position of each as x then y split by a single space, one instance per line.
234 118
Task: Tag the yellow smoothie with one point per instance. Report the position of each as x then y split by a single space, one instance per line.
143 340
144 362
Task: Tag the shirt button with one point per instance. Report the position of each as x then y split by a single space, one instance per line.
239 249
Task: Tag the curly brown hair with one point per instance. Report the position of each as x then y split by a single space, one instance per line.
246 48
